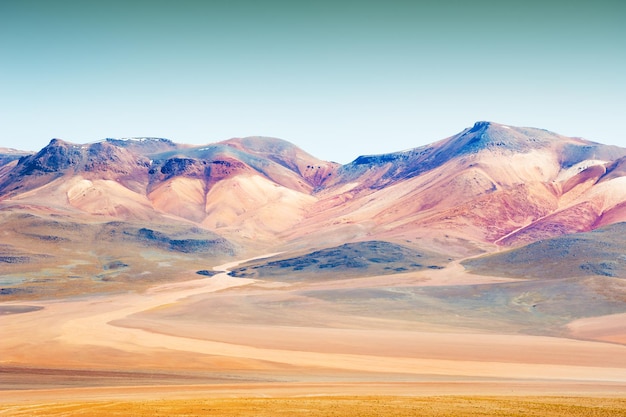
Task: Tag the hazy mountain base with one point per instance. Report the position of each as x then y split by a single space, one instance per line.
126 256
601 252
359 259
55 256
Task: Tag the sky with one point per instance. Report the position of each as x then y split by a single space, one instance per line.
337 78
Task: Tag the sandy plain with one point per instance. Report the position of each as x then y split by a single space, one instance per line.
233 346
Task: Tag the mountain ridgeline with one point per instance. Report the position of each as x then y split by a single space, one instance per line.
486 187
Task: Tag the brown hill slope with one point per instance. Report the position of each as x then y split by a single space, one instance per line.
249 188
599 253
488 184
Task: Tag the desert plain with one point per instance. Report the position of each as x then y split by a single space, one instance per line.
223 345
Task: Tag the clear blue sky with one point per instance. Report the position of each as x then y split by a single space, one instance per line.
337 78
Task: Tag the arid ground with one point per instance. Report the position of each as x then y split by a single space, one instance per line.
234 346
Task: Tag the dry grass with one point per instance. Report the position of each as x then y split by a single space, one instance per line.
333 406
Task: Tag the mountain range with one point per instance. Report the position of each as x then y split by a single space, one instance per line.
490 184
483 190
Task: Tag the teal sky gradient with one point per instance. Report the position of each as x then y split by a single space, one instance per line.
337 78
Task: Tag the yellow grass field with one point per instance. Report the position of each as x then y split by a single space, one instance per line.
352 406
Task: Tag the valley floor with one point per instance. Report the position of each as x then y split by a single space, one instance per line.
221 345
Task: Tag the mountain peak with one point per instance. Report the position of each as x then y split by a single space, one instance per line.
59 158
483 125
263 145
56 156
144 145
58 141
480 125
490 136
288 155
